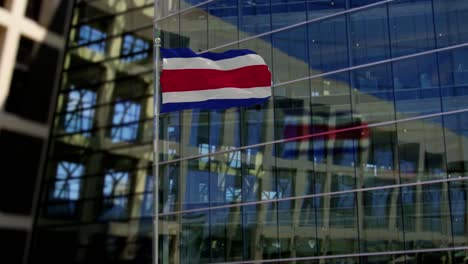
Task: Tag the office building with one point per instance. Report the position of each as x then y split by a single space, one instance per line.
373 90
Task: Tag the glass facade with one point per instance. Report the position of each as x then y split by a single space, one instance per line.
372 91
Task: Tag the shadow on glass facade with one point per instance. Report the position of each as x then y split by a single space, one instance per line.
374 92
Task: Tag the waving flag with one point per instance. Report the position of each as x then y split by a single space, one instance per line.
213 80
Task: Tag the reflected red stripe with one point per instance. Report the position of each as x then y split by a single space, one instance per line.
361 131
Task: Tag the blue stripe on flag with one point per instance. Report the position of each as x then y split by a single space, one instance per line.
215 104
188 53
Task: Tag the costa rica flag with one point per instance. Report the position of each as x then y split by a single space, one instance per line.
211 80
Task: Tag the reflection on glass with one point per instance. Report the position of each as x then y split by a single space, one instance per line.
94 36
222 22
134 48
66 188
107 88
80 114
125 121
412 28
115 191
369 35
450 27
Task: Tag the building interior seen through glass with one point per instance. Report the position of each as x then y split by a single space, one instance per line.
378 88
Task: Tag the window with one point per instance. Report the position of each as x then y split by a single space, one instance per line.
66 189
134 48
147 203
80 114
125 121
115 191
67 184
93 36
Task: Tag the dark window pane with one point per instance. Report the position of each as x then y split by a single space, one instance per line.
17 188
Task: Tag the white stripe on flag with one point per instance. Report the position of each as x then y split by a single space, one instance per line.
202 63
222 93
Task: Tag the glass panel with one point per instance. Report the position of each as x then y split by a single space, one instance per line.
194 28
80 112
290 54
170 32
381 221
451 27
226 236
358 3
124 121
456 141
412 28
453 78
87 34
285 13
373 94
254 17
331 110
323 8
416 84
337 227
328 45
369 38
134 48
116 187
66 189
222 22
194 237
421 150
293 119
458 192
426 216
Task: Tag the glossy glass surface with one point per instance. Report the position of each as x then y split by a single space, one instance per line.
373 91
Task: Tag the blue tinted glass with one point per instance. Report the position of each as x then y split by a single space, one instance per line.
89 34
222 22
115 190
416 84
369 35
412 27
80 114
254 17
67 185
376 209
450 21
328 46
147 202
432 200
454 78
458 194
287 12
290 54
358 3
125 121
320 8
134 48
375 81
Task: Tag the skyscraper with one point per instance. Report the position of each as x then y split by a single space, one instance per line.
378 85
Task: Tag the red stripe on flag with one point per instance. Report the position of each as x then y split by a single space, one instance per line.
206 79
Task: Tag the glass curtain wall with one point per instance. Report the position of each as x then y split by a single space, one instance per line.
379 86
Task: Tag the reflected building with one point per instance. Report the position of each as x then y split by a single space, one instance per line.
32 43
379 85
